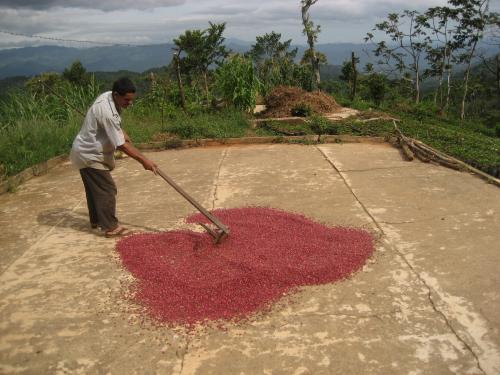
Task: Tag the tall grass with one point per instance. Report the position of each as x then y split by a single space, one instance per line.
36 125
224 124
38 103
27 143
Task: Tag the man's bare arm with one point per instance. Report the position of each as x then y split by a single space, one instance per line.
134 153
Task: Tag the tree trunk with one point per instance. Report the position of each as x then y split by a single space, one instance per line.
354 76
466 87
448 91
466 81
498 74
317 76
441 77
306 4
179 80
439 90
417 86
206 87
448 83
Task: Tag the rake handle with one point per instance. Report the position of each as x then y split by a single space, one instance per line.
191 200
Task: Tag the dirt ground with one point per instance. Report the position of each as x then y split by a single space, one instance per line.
427 302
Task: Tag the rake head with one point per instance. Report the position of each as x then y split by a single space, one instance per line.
218 234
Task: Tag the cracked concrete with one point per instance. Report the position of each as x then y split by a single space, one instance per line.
427 302
410 265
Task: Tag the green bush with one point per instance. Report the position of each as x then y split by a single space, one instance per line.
424 109
237 83
319 125
302 110
377 87
25 144
224 124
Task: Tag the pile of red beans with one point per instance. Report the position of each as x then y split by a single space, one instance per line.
183 278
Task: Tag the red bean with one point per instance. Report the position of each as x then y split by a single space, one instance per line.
183 278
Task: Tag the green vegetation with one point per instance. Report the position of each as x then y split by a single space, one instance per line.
27 143
209 92
224 124
451 137
302 110
237 83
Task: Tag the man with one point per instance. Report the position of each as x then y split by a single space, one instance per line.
93 154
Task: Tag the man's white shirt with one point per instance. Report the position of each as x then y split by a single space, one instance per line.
101 134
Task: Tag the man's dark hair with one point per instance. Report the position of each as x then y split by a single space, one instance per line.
123 86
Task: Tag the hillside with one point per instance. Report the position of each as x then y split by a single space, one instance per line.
35 60
31 61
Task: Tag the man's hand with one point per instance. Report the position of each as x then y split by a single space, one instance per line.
150 166
131 151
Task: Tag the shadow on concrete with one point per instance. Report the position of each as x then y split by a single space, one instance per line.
63 217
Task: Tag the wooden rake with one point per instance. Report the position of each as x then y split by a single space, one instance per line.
218 234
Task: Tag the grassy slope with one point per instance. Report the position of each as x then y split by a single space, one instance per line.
462 141
29 143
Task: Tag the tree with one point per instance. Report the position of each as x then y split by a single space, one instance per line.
493 32
307 56
237 82
312 36
493 66
350 74
441 49
273 60
76 74
44 83
407 32
377 87
177 63
354 61
473 18
197 50
210 51
306 62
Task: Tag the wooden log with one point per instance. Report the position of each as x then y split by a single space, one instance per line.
437 157
406 150
427 153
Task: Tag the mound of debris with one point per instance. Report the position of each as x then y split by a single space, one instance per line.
283 101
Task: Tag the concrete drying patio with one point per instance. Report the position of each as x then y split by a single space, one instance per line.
427 302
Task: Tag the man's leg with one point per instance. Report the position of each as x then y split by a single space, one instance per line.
103 196
94 220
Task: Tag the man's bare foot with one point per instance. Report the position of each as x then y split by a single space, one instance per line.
118 232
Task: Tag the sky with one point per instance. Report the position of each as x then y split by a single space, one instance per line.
159 21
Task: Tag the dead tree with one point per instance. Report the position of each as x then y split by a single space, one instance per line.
354 61
177 62
312 36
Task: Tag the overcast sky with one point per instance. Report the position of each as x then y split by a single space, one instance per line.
158 21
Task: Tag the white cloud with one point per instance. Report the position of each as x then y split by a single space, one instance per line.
158 21
107 5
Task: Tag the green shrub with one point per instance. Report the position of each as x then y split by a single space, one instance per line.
224 124
424 109
237 83
377 87
302 110
25 144
319 125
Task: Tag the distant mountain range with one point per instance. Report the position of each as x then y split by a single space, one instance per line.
30 61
